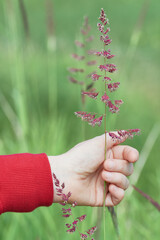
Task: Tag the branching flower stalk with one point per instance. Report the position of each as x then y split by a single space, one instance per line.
106 69
85 64
76 72
73 226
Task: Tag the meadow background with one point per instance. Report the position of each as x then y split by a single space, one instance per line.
37 102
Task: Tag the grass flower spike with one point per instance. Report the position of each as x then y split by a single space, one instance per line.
73 225
104 73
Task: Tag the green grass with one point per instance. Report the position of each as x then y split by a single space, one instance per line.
37 103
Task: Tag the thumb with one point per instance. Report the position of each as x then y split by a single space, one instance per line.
114 138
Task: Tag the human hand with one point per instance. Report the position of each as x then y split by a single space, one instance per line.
83 169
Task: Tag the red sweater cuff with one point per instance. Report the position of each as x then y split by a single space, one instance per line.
25 182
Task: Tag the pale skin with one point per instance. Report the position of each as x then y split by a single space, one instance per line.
83 169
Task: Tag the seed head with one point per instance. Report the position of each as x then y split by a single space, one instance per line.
105 98
84 236
82 218
90 94
79 44
77 57
96 121
113 86
95 77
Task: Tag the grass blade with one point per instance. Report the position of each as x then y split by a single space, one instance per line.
147 148
24 18
151 200
114 220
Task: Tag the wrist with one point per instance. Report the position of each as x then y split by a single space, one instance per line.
52 160
59 168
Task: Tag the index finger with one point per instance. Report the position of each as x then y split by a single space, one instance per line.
125 152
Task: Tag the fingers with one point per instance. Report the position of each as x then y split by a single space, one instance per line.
110 142
125 152
121 166
115 178
113 142
114 196
119 151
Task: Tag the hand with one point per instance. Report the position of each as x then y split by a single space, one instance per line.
83 169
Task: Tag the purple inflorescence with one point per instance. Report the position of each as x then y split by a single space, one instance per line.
107 69
113 86
75 72
73 80
90 118
77 57
105 98
67 211
95 77
90 94
121 134
79 44
91 231
84 236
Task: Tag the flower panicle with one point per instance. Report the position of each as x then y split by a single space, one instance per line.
105 98
67 211
92 62
77 57
73 80
95 76
90 94
86 27
79 44
105 54
113 86
108 67
112 108
75 70
91 231
96 121
90 38
90 118
121 134
77 74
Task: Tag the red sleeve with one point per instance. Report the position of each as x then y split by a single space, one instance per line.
25 182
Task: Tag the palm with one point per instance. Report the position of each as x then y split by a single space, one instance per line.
89 183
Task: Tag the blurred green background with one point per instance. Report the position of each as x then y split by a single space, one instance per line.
37 101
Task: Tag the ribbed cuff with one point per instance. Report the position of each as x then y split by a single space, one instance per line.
25 182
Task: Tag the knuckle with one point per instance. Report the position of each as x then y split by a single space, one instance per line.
117 199
121 168
122 180
112 188
109 165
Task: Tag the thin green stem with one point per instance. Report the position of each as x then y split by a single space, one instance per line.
104 208
83 123
105 155
76 225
